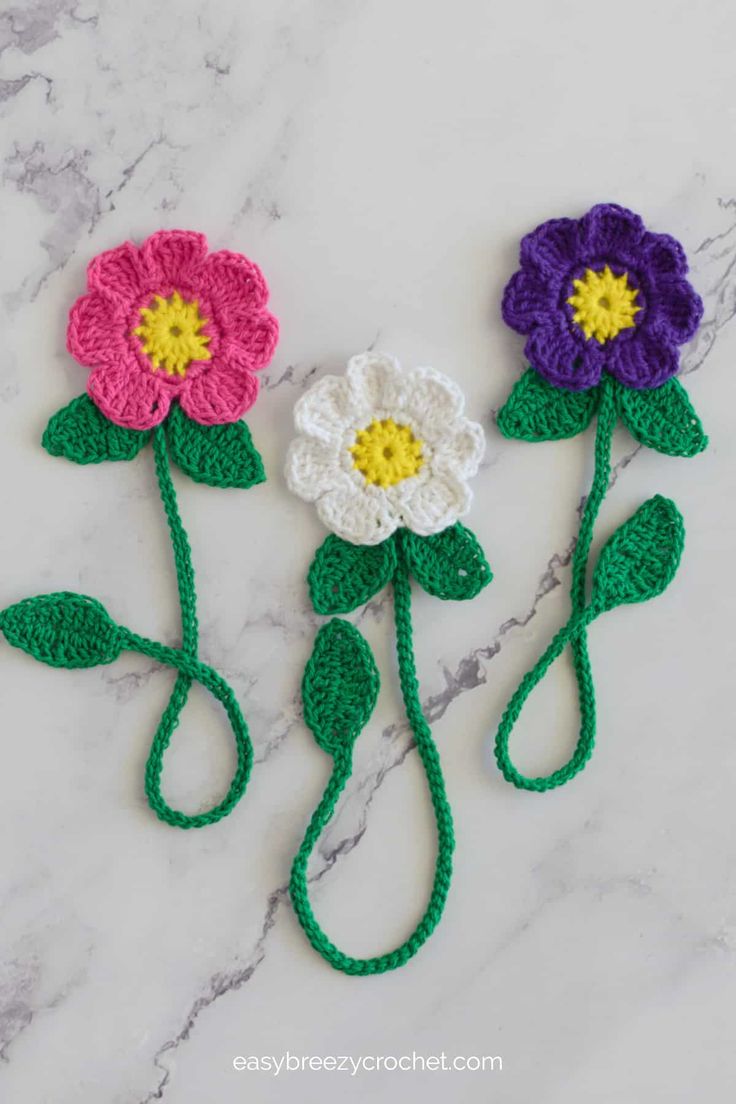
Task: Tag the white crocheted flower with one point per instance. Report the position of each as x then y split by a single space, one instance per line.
382 447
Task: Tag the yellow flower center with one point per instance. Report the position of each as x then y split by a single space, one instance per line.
170 333
603 304
385 453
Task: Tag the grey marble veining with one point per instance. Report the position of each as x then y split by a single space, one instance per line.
380 162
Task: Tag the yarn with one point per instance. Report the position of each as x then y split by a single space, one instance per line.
637 563
371 445
220 455
537 411
382 448
449 565
342 661
73 630
568 383
68 630
169 321
575 631
173 335
604 303
662 419
580 322
81 433
386 453
641 552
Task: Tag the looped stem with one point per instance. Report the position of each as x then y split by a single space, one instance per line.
575 632
192 669
298 886
182 686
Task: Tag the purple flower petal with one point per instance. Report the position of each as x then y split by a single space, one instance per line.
609 231
562 360
527 301
552 249
645 361
677 310
663 255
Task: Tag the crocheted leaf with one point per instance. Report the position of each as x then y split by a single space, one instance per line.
63 630
82 433
641 557
662 418
221 455
340 686
343 576
449 564
537 411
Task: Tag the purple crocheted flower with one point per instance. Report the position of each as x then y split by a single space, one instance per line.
602 293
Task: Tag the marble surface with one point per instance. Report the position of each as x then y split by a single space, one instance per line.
380 161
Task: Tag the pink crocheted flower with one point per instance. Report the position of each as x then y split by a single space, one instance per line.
169 321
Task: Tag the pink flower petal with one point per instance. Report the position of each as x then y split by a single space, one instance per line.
96 330
234 282
256 336
128 396
175 257
223 392
121 272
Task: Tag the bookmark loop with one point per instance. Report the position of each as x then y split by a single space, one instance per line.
173 336
342 769
386 455
604 304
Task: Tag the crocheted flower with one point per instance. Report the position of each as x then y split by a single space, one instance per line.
169 321
382 447
602 293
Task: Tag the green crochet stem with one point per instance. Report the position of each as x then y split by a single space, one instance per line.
574 632
298 885
192 669
182 686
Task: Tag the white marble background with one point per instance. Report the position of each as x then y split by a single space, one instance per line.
380 160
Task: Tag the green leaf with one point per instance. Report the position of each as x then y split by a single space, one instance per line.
662 418
63 630
340 686
641 558
449 564
82 433
343 576
537 411
221 455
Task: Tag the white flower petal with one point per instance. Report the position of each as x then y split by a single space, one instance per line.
361 515
432 506
377 384
461 449
311 468
432 402
325 409
320 467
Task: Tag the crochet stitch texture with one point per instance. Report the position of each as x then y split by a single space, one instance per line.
363 437
173 336
605 304
602 293
383 447
169 321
